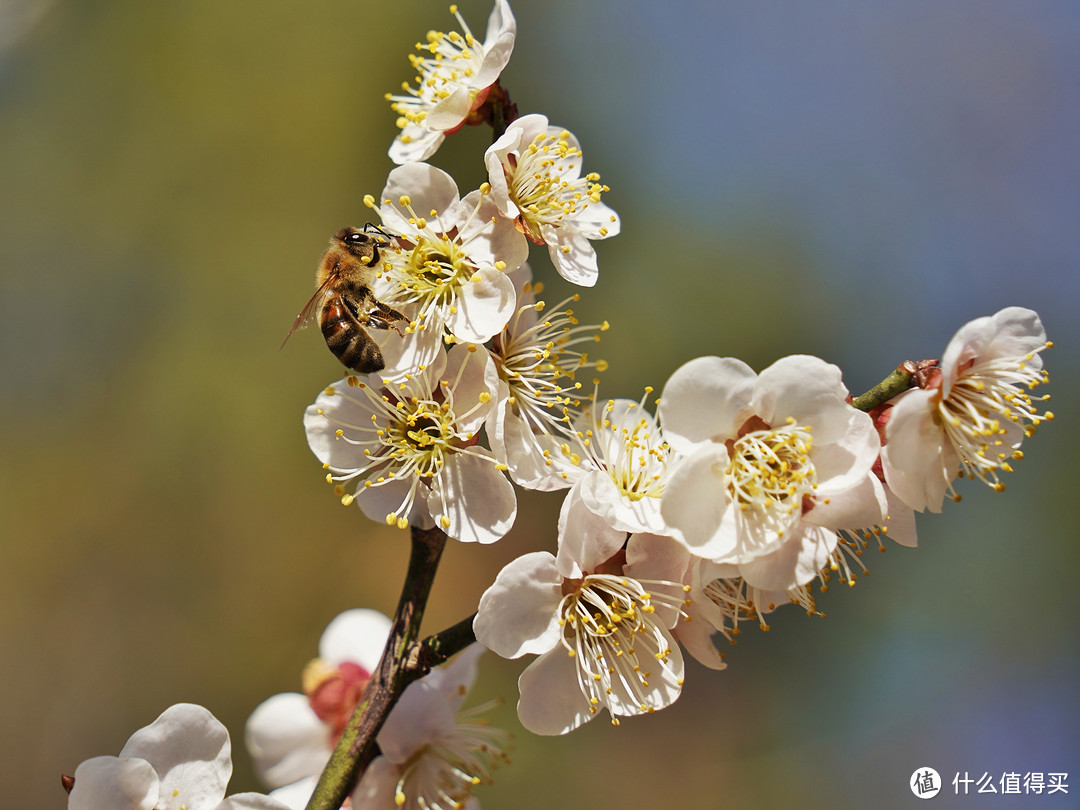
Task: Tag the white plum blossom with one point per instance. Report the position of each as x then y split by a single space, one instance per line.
448 273
181 761
620 464
772 465
536 179
538 356
430 749
453 79
604 639
974 413
290 736
433 754
410 448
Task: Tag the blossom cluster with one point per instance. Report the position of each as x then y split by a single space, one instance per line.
740 492
731 497
731 494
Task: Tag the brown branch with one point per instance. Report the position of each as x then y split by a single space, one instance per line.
356 747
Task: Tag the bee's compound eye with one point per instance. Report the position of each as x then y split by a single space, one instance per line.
356 237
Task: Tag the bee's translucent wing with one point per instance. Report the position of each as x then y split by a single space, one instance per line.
311 309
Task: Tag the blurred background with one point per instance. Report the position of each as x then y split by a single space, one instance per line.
854 180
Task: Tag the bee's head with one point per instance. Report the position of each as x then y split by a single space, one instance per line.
352 237
363 242
359 243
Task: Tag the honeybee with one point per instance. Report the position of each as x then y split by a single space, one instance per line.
344 303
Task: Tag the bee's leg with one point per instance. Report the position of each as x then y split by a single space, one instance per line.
385 317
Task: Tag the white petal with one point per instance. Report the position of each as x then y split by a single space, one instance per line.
375 790
795 563
500 23
1011 332
860 507
420 717
846 458
603 497
110 782
297 795
286 740
916 453
515 444
252 801
665 683
500 191
519 134
586 539
402 356
484 307
517 614
706 399
470 374
190 751
338 405
597 221
488 237
551 702
900 521
456 678
479 504
450 111
806 389
413 144
653 556
659 559
426 186
357 635
695 499
376 502
498 43
696 637
577 264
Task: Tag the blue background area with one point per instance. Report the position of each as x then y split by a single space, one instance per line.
849 179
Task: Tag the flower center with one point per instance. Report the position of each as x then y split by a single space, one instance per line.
333 692
451 59
544 187
633 453
538 360
435 267
770 475
421 437
610 628
986 399
408 439
442 774
435 264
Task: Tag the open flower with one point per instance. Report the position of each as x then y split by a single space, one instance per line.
181 761
538 356
603 638
452 80
433 754
973 414
449 274
536 180
620 464
410 448
290 735
772 465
